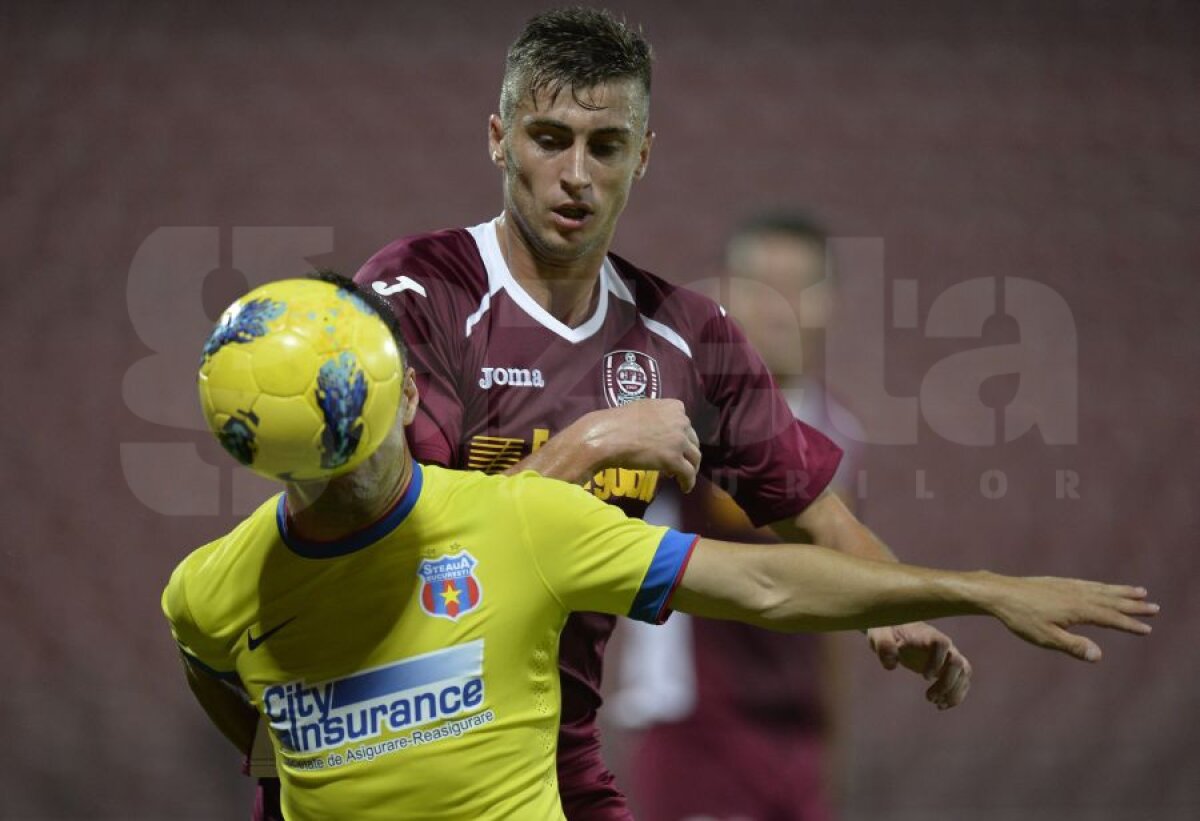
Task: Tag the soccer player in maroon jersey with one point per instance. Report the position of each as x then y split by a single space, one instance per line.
538 349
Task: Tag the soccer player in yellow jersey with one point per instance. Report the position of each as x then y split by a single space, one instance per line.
398 625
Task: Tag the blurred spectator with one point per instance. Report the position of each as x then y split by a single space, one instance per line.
735 723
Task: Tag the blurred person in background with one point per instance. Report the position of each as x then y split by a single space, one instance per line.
731 722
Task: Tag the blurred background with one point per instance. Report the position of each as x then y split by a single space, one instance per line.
156 157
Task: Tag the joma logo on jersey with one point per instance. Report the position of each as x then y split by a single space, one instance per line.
630 376
449 587
511 377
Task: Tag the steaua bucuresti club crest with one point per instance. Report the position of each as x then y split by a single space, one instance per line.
630 376
448 585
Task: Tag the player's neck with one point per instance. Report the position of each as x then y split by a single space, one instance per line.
567 291
807 368
329 511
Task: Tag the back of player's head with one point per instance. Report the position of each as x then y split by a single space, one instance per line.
573 49
373 300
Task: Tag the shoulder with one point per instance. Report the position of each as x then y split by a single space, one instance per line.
442 262
692 315
527 493
471 487
213 581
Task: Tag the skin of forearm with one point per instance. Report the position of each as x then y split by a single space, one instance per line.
573 455
795 588
829 523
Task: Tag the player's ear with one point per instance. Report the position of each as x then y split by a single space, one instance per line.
412 398
644 155
496 140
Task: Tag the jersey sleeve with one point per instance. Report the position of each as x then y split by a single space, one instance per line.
426 312
204 652
592 557
752 446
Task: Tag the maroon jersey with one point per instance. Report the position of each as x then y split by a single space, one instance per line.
498 375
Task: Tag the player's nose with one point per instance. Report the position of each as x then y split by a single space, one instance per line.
576 175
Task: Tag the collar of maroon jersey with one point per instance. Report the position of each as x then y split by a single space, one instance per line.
500 278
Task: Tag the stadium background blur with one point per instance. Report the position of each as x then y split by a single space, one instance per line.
149 151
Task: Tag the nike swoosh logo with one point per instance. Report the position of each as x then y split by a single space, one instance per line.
254 642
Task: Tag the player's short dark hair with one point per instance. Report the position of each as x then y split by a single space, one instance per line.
573 49
791 223
788 222
373 300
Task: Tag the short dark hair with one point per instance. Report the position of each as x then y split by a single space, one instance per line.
576 49
373 300
792 223
783 222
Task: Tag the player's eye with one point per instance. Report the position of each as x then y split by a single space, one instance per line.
549 141
606 150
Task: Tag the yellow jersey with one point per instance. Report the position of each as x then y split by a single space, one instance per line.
410 669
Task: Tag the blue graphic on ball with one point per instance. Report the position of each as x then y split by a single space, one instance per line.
341 395
237 437
355 300
245 325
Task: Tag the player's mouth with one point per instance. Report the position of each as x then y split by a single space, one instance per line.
572 216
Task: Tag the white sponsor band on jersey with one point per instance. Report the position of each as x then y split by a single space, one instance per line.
404 695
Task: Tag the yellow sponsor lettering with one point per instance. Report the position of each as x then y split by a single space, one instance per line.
627 482
623 483
599 487
649 485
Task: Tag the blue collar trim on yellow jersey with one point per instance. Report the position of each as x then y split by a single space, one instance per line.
360 538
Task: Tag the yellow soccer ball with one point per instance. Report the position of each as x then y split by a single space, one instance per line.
300 380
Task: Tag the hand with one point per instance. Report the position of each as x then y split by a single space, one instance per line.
1040 610
649 434
925 650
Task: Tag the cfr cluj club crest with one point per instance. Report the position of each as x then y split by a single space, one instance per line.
630 376
448 585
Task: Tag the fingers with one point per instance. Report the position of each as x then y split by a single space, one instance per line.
886 646
689 463
683 471
1126 591
1117 608
952 682
666 440
1081 647
929 652
937 659
687 459
1120 621
1135 604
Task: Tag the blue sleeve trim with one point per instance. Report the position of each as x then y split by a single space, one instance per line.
231 677
650 603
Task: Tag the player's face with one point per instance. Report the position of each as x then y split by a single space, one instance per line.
568 168
780 295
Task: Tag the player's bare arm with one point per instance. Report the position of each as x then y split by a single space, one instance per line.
802 587
917 646
653 434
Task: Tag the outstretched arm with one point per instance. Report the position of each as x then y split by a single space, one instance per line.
802 587
652 434
917 646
